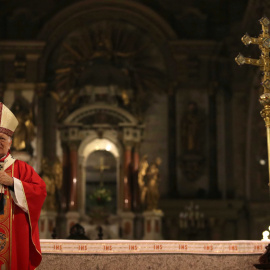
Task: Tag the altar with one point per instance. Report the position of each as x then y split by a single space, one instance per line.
125 254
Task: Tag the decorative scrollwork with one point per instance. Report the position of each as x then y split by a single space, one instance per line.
107 53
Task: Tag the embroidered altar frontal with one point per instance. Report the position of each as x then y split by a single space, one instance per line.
141 247
121 254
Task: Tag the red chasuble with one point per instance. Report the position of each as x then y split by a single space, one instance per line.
23 243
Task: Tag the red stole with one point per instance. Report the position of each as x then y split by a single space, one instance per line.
6 225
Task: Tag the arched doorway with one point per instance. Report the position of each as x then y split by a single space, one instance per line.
101 179
100 166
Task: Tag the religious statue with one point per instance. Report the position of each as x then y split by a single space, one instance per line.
153 179
52 175
25 131
192 137
141 175
148 181
190 129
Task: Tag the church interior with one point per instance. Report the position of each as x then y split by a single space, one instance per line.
137 116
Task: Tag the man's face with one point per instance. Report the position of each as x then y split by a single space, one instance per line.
5 144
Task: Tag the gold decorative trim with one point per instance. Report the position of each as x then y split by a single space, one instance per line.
151 246
12 216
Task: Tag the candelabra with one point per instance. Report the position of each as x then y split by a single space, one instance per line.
191 219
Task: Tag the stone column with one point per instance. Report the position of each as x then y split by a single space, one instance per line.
73 180
127 187
49 127
131 136
81 186
172 149
66 173
127 217
72 183
48 218
70 175
135 186
136 202
70 180
213 180
136 158
40 92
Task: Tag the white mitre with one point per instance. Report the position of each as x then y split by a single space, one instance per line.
8 121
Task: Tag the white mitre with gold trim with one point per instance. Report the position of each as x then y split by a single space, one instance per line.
8 121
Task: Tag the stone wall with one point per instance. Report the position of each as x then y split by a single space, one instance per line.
148 261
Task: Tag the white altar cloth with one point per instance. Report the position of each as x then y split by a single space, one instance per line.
145 247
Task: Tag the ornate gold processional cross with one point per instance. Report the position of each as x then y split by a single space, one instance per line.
102 167
263 41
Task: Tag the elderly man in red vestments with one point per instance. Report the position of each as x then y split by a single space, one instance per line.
22 193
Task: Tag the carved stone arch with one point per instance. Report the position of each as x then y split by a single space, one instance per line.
87 147
86 111
86 12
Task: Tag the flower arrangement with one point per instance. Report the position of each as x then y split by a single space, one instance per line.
101 196
99 205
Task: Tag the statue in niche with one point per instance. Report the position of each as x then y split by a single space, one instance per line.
190 129
25 131
141 178
52 174
192 136
148 179
153 179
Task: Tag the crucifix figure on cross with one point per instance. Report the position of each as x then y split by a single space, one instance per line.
102 167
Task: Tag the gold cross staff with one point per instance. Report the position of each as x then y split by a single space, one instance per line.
102 167
263 41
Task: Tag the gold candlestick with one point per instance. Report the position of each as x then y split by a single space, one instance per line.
263 41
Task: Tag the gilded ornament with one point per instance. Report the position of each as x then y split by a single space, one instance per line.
266 43
246 39
265 99
265 21
52 174
148 180
141 178
266 84
153 179
263 41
